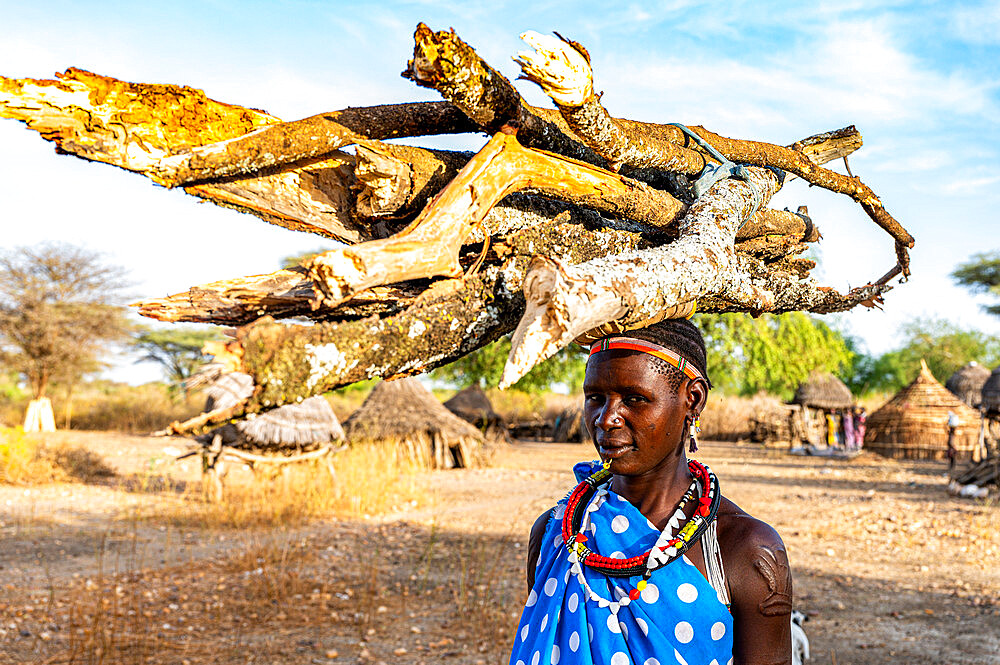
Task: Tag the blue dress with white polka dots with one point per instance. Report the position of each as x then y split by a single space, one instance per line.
677 619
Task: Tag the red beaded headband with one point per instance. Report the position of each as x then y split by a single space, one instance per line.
641 345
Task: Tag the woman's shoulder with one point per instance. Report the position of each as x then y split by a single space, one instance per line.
755 560
741 531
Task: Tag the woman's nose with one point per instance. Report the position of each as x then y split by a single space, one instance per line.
609 417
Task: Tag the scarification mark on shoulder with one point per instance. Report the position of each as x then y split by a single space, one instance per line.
774 569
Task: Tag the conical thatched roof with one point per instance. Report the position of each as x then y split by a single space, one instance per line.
473 406
967 383
914 423
288 428
823 390
405 412
991 393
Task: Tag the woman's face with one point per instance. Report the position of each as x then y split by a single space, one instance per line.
635 418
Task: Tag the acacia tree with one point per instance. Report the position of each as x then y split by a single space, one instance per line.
59 310
177 350
981 274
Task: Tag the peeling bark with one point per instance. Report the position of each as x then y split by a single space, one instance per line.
289 362
563 302
430 246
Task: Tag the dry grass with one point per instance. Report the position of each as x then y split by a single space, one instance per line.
129 409
727 417
370 480
25 459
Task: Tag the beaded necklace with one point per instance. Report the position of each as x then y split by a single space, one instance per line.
666 548
576 520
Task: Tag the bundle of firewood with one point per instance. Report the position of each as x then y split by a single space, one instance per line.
566 221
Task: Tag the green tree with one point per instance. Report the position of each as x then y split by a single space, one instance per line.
296 259
59 312
485 366
945 346
981 274
771 353
176 349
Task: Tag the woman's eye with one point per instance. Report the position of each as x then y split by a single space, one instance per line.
636 398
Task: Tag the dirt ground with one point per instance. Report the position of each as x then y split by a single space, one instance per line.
888 567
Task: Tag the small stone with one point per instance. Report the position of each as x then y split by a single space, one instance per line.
399 652
332 653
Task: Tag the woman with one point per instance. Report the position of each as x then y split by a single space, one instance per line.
645 561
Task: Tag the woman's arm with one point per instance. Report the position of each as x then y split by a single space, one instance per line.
535 545
760 584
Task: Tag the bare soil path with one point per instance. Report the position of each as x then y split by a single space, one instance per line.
889 568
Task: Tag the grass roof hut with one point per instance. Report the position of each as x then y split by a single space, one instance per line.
823 390
991 394
289 429
407 414
913 424
569 427
967 383
474 407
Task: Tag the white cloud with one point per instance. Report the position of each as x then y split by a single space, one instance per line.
979 24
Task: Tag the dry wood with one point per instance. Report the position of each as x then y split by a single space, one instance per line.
565 302
624 144
294 361
430 245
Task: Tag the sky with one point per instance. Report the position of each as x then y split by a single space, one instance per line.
920 80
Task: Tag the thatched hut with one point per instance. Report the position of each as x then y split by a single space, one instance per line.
474 407
967 383
407 414
569 427
824 391
289 429
913 424
991 394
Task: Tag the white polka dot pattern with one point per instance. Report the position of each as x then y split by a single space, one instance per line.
687 592
684 632
619 524
676 610
620 658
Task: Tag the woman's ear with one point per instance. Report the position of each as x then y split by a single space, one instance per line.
697 395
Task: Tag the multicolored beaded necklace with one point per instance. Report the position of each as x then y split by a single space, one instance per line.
667 548
670 548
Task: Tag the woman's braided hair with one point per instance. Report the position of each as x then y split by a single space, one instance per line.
679 335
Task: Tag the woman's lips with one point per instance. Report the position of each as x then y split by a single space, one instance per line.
615 449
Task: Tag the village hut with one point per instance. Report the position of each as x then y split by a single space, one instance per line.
991 394
569 427
289 429
406 414
824 391
914 423
474 407
967 383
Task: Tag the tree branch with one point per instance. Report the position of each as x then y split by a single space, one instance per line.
565 302
430 245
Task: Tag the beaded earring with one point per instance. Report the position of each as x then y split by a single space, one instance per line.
693 431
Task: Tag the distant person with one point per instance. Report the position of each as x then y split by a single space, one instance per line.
831 429
645 561
953 424
847 424
860 423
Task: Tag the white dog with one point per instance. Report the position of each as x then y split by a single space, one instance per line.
800 643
